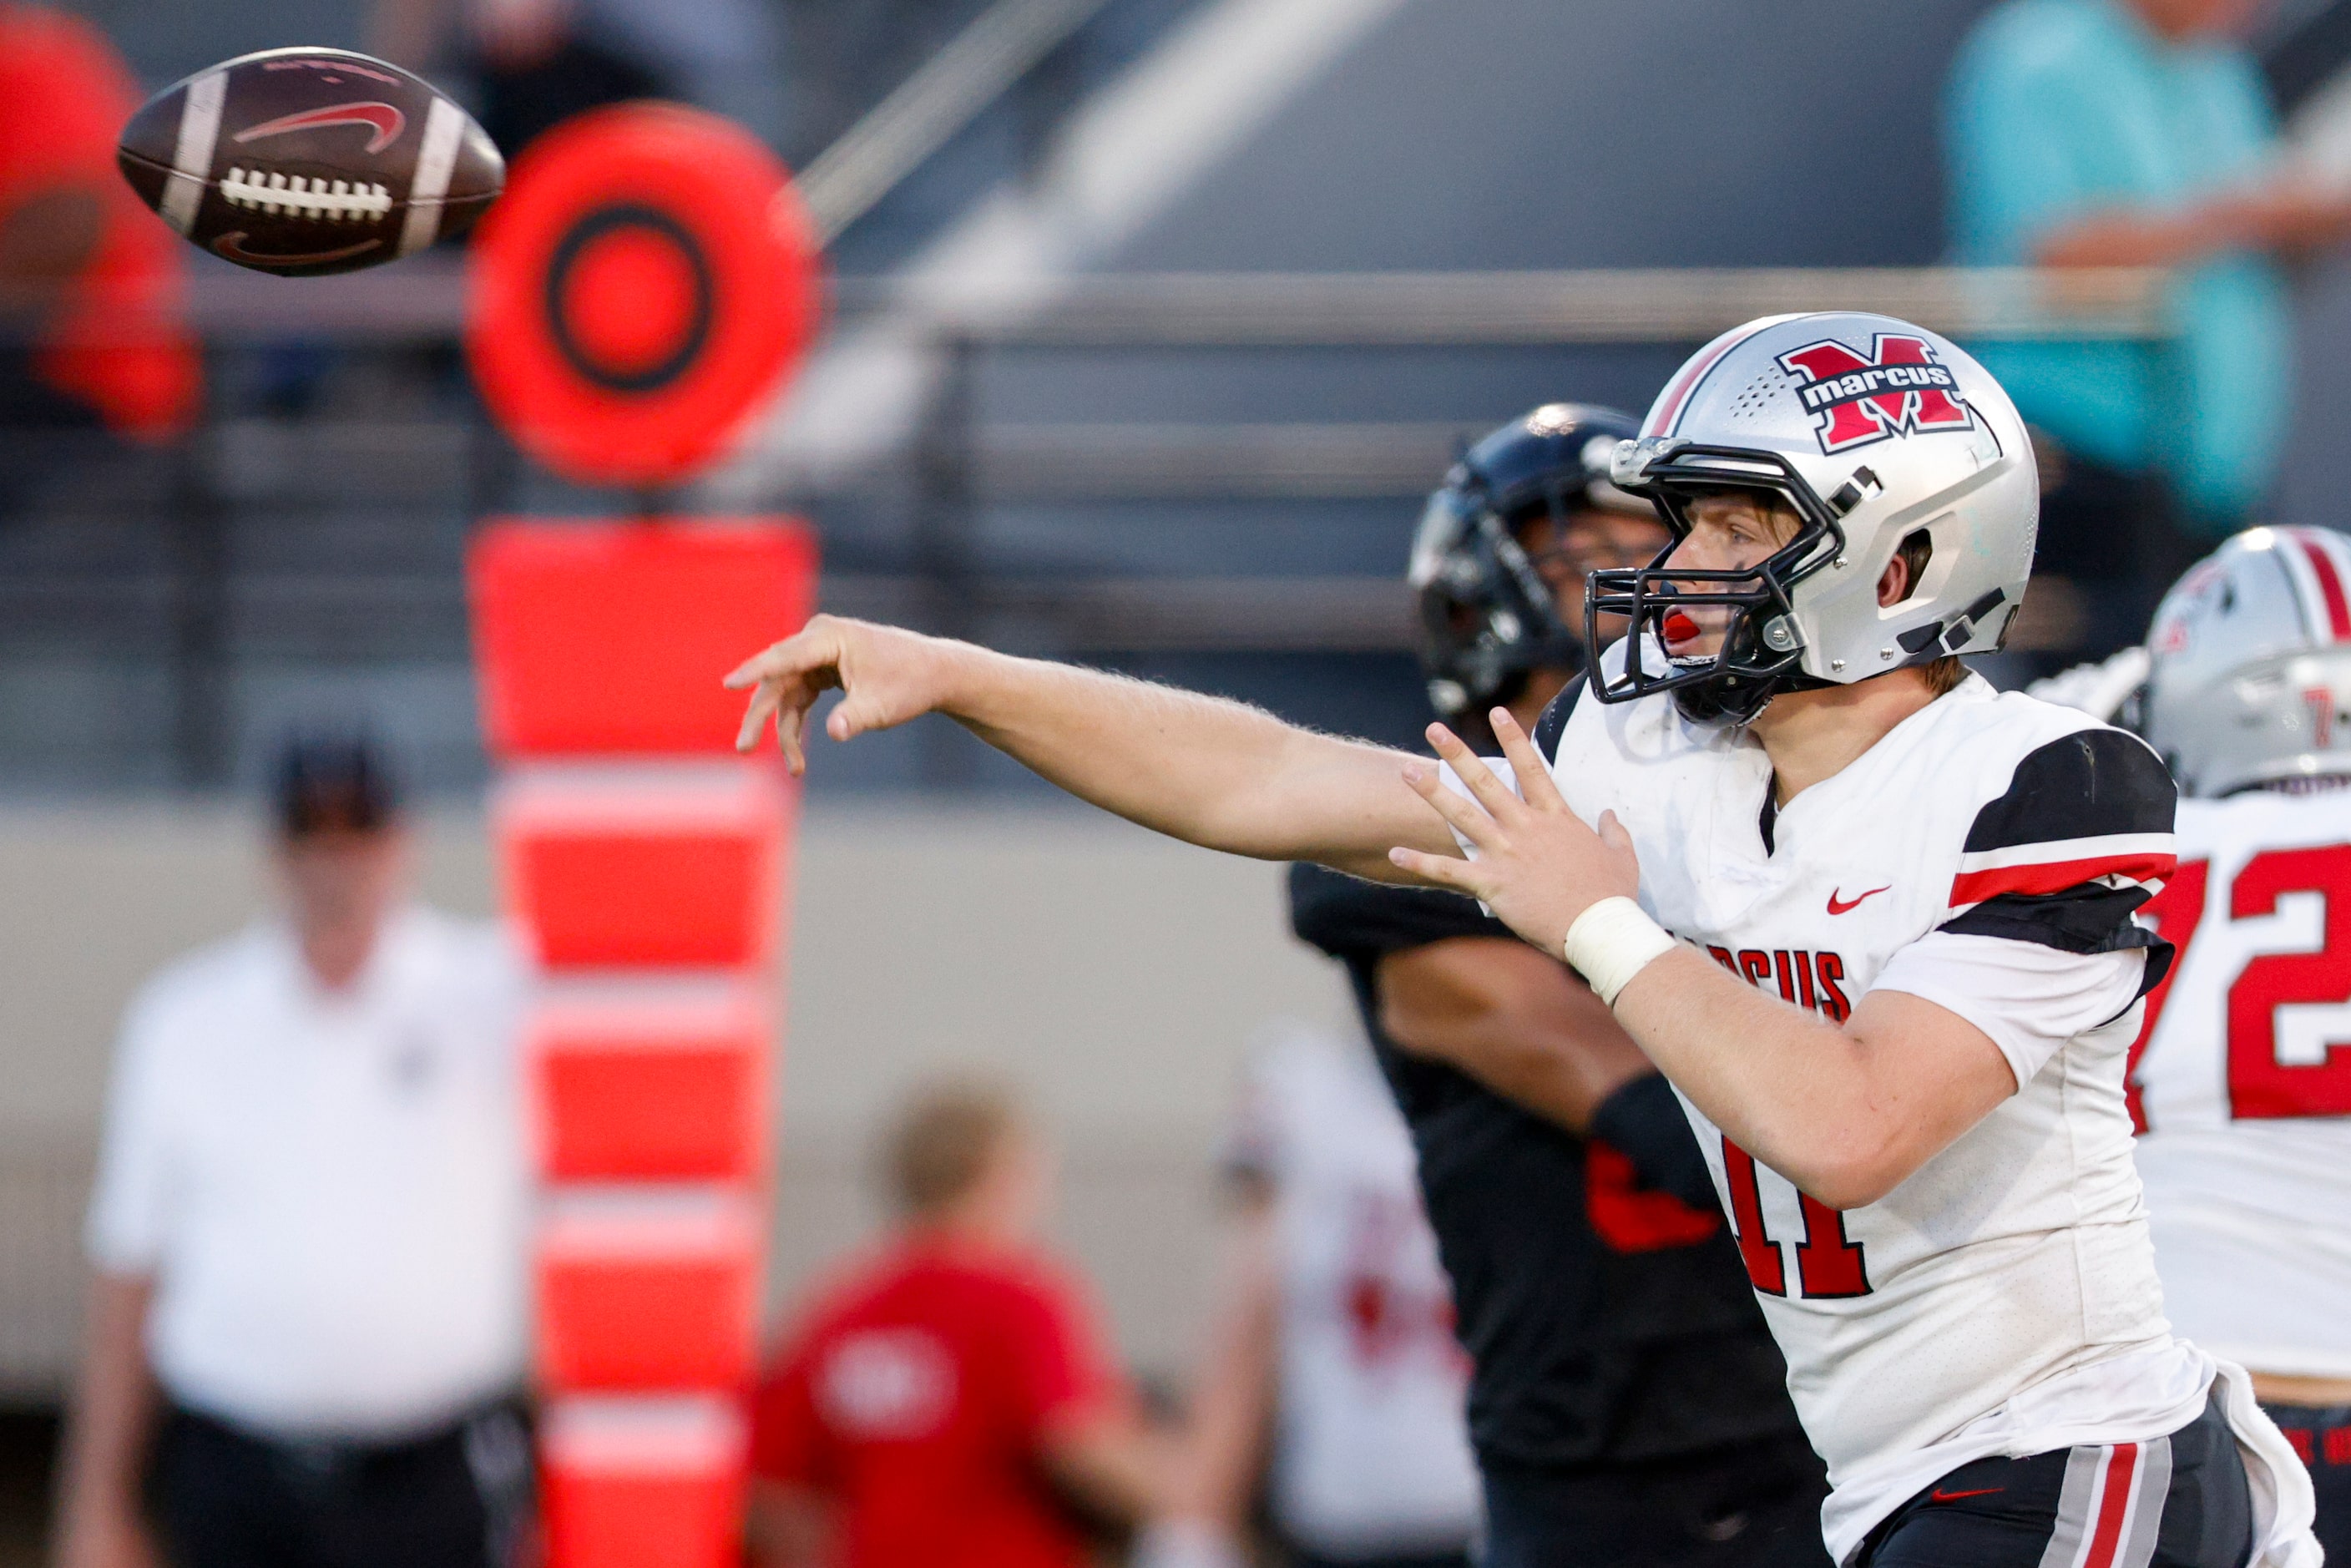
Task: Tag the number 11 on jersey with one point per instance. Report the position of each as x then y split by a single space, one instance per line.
1829 1264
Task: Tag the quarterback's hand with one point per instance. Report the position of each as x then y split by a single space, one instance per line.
1537 866
886 675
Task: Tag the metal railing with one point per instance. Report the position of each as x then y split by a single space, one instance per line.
1650 304
140 572
969 463
232 549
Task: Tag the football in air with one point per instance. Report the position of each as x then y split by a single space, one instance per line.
301 162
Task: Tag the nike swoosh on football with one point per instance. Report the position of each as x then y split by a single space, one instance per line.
1840 905
1940 1495
384 119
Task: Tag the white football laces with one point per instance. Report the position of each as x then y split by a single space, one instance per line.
298 195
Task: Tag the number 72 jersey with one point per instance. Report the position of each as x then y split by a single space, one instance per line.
2241 1082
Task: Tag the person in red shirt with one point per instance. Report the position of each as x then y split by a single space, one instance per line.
947 1401
92 285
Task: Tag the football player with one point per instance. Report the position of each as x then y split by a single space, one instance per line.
1334 1387
2241 1080
1626 1403
1871 918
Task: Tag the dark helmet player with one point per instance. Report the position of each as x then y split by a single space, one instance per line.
1499 564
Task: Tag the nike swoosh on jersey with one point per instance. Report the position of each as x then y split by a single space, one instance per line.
1843 906
1940 1495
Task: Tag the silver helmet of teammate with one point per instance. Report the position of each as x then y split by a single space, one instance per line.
1874 432
2249 665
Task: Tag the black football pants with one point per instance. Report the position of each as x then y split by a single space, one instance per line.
2179 1501
1755 1506
453 1498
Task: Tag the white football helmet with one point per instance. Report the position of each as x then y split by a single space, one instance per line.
1873 430
2249 664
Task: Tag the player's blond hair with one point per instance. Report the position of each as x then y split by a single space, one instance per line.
1944 674
946 1139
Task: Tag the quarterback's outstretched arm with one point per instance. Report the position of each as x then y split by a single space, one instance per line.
1845 1111
1200 769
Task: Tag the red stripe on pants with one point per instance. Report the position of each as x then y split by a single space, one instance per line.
2114 1501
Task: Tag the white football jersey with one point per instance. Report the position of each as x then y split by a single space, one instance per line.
1371 1442
2004 1298
2243 1082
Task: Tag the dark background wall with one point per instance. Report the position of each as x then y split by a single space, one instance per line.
1534 133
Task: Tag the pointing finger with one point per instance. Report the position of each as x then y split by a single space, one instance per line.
754 669
804 650
1463 815
791 731
1442 870
1478 778
1536 786
756 714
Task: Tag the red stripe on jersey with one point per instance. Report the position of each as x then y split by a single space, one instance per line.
2114 1502
1669 412
2056 876
2330 588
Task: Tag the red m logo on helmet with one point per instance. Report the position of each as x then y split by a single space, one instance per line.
1900 389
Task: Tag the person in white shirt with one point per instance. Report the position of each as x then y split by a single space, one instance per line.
309 1227
1870 918
1334 1373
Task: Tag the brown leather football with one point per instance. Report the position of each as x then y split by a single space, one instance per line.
302 161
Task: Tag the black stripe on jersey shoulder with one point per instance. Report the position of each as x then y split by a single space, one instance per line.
1552 725
2090 918
2087 785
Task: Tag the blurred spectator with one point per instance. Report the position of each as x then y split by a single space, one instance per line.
90 284
540 62
947 1402
1336 1342
2124 133
310 1229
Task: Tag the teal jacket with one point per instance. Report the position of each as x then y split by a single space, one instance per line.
2062 108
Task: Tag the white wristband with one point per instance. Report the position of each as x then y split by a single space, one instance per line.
1611 942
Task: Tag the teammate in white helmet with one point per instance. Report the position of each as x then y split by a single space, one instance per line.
2242 1075
1871 919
